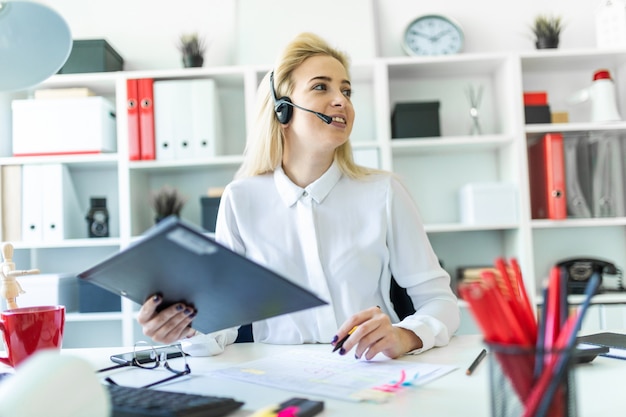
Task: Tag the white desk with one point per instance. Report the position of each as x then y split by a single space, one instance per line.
599 384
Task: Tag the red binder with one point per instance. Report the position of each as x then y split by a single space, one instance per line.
146 118
546 170
132 106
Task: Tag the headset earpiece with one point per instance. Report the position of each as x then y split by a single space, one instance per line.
282 109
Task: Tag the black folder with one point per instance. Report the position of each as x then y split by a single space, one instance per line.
179 261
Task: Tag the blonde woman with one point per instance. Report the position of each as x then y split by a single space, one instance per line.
302 207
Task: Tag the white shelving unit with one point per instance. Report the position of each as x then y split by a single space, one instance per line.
433 169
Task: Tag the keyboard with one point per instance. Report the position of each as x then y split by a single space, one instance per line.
135 402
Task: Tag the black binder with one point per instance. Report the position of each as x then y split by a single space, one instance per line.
179 261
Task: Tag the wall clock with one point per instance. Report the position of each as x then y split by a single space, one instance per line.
433 35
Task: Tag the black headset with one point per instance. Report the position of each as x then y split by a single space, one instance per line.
283 107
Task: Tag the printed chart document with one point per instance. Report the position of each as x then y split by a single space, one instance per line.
331 375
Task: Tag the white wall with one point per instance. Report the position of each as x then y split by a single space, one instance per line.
144 32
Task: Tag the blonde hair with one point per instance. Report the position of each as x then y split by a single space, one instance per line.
264 149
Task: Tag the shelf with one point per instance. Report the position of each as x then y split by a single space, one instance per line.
459 227
578 223
227 76
88 161
102 83
70 243
575 127
604 298
563 60
449 144
460 65
187 165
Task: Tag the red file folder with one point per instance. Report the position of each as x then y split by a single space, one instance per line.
546 170
132 106
146 118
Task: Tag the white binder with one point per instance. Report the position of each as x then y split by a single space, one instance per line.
166 104
51 210
62 216
206 126
32 190
186 119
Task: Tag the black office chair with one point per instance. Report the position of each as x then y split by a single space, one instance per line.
245 334
402 304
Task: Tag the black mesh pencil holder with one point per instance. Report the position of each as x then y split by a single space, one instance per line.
514 373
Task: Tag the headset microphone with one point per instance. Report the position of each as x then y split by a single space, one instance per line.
326 118
284 107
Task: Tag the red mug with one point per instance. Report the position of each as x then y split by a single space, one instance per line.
29 329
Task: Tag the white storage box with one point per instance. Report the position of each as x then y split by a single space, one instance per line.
49 289
488 203
63 126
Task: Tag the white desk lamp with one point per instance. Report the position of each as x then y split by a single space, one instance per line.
51 384
35 42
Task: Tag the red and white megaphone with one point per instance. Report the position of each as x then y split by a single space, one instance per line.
601 93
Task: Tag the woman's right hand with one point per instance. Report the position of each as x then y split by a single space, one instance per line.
168 325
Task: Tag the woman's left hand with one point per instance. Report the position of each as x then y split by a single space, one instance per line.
375 334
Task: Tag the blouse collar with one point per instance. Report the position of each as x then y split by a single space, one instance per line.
318 190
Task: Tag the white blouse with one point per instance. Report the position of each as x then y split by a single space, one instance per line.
343 239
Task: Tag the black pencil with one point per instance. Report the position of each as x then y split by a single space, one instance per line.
476 362
340 343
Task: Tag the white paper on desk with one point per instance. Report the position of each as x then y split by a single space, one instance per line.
331 375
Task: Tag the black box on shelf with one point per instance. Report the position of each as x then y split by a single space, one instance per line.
537 114
415 120
210 205
92 55
93 299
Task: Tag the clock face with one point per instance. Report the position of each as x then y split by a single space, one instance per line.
433 35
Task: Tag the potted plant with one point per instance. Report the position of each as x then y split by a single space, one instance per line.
167 201
547 30
192 47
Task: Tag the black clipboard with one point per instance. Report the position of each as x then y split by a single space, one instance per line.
614 342
179 261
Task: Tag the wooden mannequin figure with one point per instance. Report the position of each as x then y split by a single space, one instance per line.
10 288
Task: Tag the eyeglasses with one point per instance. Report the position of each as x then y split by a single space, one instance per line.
153 358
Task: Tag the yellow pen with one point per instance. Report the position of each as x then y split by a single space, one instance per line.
266 412
340 343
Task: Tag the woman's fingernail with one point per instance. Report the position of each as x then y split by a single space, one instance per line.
179 307
342 351
193 315
335 338
187 311
356 356
156 298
